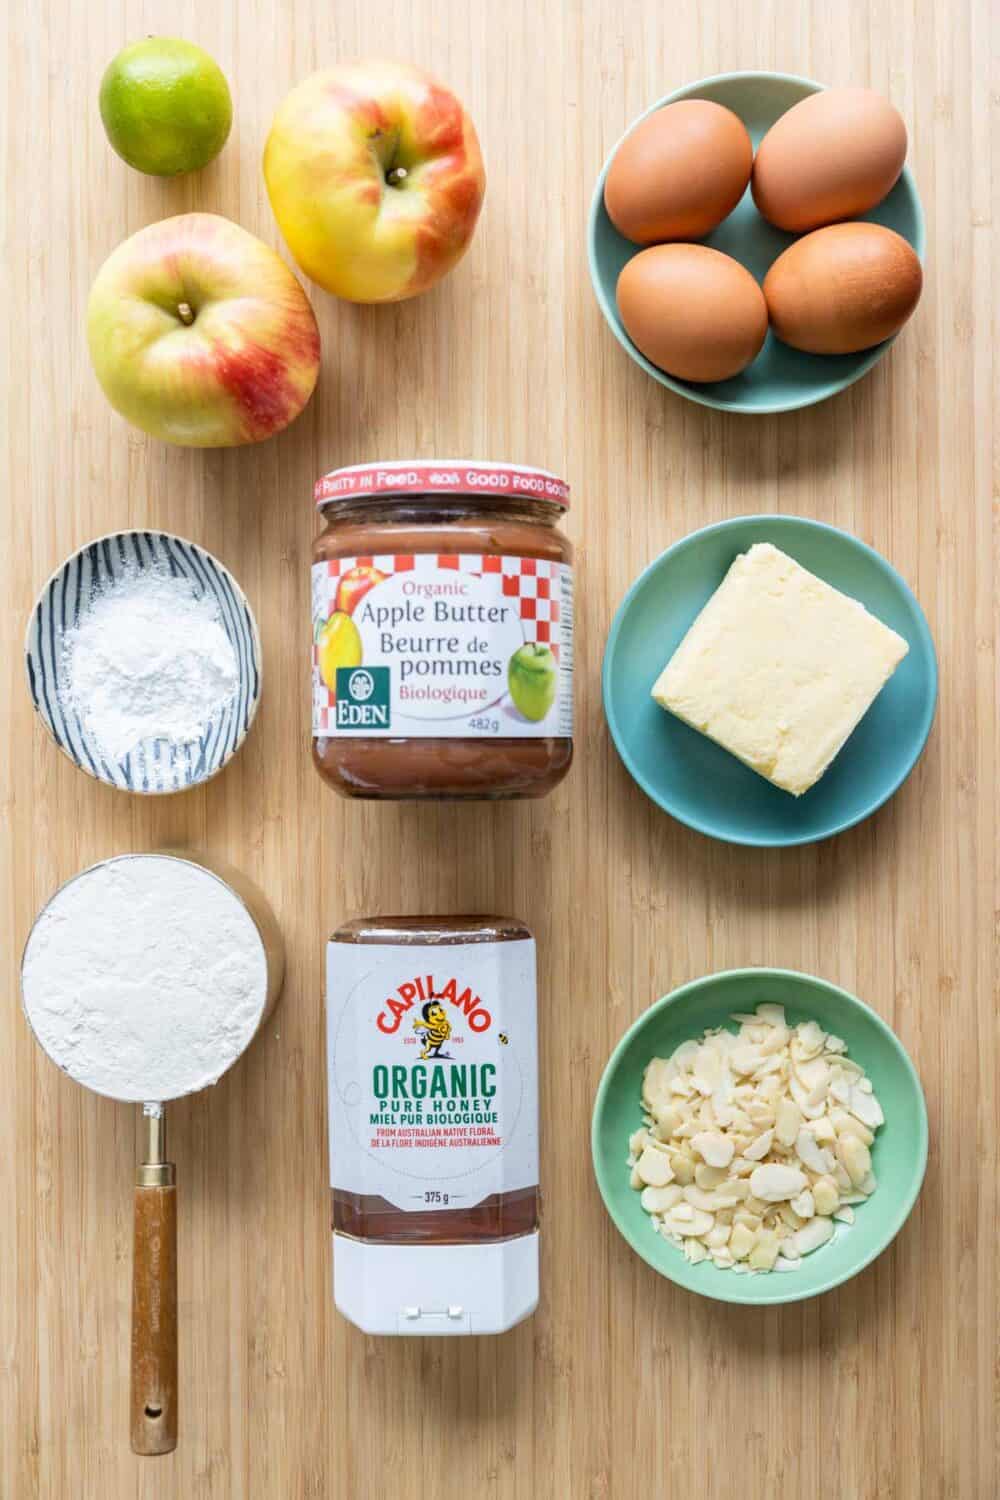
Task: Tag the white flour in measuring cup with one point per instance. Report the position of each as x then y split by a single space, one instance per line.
145 978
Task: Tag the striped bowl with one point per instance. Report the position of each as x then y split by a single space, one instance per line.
157 766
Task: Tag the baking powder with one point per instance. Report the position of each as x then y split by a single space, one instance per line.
150 659
145 977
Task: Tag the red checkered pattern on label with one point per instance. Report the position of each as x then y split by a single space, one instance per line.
532 582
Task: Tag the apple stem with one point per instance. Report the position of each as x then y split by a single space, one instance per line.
396 176
185 312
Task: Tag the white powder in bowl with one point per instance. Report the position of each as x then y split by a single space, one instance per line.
149 659
145 978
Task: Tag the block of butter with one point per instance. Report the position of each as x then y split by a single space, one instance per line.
779 668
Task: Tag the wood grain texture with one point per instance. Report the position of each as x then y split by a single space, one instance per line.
153 1403
622 1385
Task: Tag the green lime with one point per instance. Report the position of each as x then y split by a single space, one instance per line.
165 106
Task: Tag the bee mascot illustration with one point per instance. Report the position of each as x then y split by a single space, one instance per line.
436 1029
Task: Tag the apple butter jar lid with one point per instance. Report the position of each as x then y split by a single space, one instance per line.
446 476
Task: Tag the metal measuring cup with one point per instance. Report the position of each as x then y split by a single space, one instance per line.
154 1357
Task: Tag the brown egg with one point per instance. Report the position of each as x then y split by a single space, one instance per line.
843 288
678 173
832 156
692 311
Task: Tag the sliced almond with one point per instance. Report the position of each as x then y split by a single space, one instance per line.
775 1041
744 1060
657 1200
813 1074
667 1117
787 1120
845 1214
710 1202
758 1149
826 1195
683 1166
684 1056
773 1182
855 1158
709 1177
808 1040
713 1148
685 1220
804 1204
761 1116
653 1167
656 1081
707 1070
847 1124
865 1107
741 1241
765 1251
812 1107
812 1235
842 1180
771 1015
812 1155
787 1217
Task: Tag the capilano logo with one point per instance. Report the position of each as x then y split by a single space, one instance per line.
363 698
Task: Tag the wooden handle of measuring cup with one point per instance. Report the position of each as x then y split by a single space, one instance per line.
153 1400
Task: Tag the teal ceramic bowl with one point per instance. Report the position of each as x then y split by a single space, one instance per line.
698 782
899 1155
780 378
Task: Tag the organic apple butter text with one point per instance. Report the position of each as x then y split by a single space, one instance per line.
442 605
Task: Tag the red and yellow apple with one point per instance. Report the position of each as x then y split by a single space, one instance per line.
200 334
376 179
354 585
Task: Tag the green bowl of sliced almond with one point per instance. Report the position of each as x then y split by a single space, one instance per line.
759 1136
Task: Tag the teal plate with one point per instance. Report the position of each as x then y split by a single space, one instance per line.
698 782
780 378
899 1155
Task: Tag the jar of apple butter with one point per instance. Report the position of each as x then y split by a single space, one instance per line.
442 609
433 1092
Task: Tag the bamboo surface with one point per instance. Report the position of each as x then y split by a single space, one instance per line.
622 1385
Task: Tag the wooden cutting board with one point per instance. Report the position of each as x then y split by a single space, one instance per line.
622 1385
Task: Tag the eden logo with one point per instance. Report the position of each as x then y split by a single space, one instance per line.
362 697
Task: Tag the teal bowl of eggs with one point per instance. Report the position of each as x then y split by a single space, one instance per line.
689 774
842 1033
755 240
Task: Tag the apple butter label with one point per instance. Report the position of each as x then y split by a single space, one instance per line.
442 647
433 1071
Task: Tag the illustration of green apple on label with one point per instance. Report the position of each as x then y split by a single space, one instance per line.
532 678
